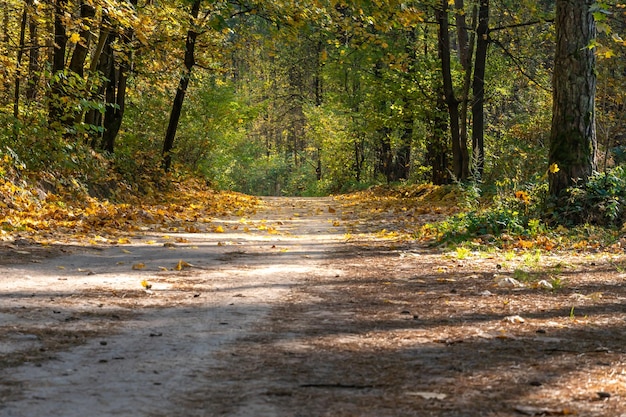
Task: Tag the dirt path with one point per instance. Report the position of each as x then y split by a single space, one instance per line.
281 315
89 340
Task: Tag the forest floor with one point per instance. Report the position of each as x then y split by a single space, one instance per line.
313 307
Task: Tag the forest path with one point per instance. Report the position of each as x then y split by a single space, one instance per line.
80 336
311 308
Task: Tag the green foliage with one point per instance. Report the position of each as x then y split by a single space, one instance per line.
599 201
509 211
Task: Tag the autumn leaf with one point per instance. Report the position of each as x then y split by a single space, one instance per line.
138 266
74 38
218 229
181 265
146 284
554 168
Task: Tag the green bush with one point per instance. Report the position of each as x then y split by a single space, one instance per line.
600 201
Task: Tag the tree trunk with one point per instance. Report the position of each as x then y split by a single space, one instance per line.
104 65
33 58
462 36
177 106
55 114
116 92
20 54
466 60
437 152
573 135
478 90
87 13
460 157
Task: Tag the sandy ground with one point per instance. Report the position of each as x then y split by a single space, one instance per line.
81 336
287 315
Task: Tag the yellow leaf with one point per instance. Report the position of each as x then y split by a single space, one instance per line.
139 266
218 229
146 284
126 251
123 241
182 264
74 38
554 168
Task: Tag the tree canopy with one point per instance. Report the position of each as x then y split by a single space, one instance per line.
308 98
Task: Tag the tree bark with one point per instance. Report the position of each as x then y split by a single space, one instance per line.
478 90
572 155
460 157
190 45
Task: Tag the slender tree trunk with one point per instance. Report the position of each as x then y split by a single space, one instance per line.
460 157
20 54
116 95
55 114
177 106
462 35
5 22
437 152
478 90
466 60
33 58
105 66
572 155
402 161
87 13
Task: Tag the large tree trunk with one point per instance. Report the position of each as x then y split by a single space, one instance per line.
573 134
177 106
478 90
460 157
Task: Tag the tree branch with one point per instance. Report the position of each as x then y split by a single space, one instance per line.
519 25
519 65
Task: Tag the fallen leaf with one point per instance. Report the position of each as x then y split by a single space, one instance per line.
182 264
139 266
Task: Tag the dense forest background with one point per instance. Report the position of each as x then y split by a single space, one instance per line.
291 98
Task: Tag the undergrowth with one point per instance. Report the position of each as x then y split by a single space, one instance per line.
589 216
